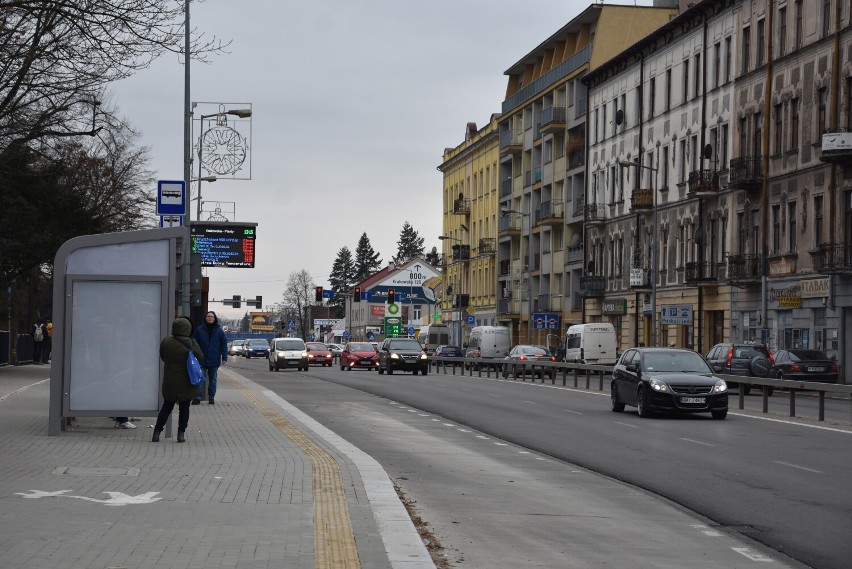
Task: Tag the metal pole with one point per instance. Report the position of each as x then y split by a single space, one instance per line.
654 269
187 166
198 211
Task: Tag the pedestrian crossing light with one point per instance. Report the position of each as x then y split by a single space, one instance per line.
391 296
318 296
357 296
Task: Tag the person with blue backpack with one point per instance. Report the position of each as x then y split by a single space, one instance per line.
177 388
211 337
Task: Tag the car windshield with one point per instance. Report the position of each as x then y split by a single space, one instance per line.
259 343
289 345
361 348
533 350
405 345
314 347
670 362
806 355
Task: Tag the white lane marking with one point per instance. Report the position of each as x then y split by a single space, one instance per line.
698 442
493 395
424 414
436 420
448 424
753 555
523 452
500 444
791 465
572 411
24 388
707 530
412 410
530 402
483 437
627 425
464 431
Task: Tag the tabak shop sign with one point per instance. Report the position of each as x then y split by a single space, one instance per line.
791 296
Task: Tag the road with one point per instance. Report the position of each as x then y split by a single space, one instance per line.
778 482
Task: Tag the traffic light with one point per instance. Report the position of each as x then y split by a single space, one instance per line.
357 296
391 295
237 301
258 301
318 295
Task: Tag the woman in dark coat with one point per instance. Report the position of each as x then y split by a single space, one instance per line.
176 385
211 338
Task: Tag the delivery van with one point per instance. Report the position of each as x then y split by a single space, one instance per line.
591 344
433 335
488 342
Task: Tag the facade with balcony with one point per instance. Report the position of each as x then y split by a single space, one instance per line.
659 137
542 166
791 176
470 229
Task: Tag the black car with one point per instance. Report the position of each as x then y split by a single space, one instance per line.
256 347
667 379
402 354
450 352
805 365
521 356
747 359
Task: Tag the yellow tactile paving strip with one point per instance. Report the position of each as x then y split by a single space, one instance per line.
334 541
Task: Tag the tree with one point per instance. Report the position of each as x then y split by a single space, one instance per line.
299 297
342 277
410 244
367 261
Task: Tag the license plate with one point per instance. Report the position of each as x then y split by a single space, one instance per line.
693 400
816 369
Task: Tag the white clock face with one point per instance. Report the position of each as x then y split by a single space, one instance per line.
222 150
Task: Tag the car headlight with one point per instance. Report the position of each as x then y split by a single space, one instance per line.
720 386
423 356
658 385
311 356
304 354
394 356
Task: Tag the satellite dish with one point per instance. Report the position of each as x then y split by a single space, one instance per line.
619 116
708 152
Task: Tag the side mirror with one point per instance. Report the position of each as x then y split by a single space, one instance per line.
632 367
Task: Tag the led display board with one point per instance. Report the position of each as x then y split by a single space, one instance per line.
224 244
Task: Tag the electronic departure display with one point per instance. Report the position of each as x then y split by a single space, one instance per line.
224 244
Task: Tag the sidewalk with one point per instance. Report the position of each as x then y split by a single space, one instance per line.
258 484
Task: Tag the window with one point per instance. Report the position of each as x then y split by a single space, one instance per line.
685 80
779 127
613 182
791 227
662 263
822 99
826 17
782 31
681 246
818 219
746 49
603 124
623 108
798 30
717 62
849 103
794 124
743 231
597 123
776 229
614 114
761 41
757 141
652 88
722 147
681 178
664 168
697 74
755 231
727 59
668 89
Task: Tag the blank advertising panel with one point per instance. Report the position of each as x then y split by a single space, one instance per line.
224 244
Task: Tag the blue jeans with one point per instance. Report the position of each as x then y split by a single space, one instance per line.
212 373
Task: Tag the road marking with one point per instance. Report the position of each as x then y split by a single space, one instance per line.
698 442
799 467
627 425
753 555
436 420
115 498
483 437
707 530
572 411
530 402
412 411
464 431
424 414
448 424
493 395
24 388
523 452
501 444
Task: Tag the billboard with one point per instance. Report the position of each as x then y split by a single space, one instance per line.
261 322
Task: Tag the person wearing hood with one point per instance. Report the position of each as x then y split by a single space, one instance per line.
211 338
176 386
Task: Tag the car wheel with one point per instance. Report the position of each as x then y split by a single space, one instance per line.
414 372
719 415
642 403
424 371
615 404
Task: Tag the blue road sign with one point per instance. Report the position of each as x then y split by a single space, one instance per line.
371 336
411 330
171 197
346 334
545 321
311 337
471 319
327 293
171 220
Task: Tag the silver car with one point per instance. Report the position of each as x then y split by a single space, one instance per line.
288 352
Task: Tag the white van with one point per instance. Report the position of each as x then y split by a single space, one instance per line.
591 344
433 335
488 342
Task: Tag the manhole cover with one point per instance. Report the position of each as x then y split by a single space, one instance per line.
95 471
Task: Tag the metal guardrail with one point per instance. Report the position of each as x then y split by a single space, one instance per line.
570 373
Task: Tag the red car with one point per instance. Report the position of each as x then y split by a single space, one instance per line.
319 354
358 355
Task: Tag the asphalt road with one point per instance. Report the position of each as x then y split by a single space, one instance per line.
778 482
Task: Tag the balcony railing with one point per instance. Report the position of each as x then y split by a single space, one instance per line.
698 273
594 214
461 206
745 268
553 119
509 143
704 183
550 212
505 187
642 199
592 286
833 258
487 245
508 306
746 172
509 224
461 252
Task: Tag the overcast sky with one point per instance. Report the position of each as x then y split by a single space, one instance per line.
353 104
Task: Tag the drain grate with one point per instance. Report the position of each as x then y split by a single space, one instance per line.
95 471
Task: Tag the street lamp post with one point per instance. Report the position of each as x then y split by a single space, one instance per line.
655 234
506 211
449 288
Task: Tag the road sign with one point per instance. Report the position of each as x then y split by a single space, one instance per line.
393 326
471 319
346 334
545 321
311 337
371 336
171 220
411 330
676 314
470 310
171 197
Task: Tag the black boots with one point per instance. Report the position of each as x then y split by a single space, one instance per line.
181 438
211 402
156 436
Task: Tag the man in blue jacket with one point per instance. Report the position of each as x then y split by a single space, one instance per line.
211 338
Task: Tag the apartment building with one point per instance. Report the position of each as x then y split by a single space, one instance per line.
470 231
542 169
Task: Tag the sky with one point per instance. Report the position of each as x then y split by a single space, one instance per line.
353 104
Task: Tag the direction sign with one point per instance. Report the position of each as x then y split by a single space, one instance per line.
171 197
545 321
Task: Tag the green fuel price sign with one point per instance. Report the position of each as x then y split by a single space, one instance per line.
393 326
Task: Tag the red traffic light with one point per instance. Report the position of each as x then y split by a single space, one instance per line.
318 296
357 296
391 296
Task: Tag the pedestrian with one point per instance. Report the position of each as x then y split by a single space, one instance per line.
49 329
39 333
123 423
176 386
211 337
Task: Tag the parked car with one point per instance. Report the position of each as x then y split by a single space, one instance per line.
288 352
358 355
449 352
667 379
402 354
528 353
236 348
805 365
747 359
319 354
256 347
